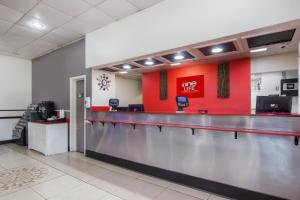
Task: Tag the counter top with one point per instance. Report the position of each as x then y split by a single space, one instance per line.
209 114
257 124
48 122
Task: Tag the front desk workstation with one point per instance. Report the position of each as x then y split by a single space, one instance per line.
237 156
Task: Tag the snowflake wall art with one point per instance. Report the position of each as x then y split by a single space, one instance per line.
103 82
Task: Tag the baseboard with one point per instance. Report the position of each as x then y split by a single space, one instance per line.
7 141
200 183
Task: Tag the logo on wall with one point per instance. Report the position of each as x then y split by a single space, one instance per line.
191 86
103 82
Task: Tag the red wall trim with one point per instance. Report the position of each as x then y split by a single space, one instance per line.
237 103
100 108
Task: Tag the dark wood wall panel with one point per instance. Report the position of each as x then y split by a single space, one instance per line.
223 80
163 85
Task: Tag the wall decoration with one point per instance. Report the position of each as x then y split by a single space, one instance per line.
103 87
103 82
191 86
223 81
163 86
256 81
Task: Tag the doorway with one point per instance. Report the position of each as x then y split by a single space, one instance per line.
77 113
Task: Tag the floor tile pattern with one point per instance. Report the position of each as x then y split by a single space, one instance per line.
28 175
16 178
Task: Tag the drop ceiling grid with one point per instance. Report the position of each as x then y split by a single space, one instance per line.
66 21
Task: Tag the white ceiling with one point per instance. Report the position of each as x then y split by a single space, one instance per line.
65 21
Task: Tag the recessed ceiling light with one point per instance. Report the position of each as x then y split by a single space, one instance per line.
126 66
38 25
123 72
149 62
175 64
179 56
258 50
217 50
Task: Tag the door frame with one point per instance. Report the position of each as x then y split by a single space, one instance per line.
73 113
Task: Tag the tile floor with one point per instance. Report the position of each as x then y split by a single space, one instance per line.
28 175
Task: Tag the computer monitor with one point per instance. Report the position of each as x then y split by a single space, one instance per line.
182 102
113 103
273 104
136 107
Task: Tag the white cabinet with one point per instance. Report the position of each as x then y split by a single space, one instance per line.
48 138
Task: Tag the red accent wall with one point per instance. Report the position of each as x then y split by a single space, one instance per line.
238 103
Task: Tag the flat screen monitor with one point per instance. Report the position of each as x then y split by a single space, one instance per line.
273 104
113 103
182 101
136 107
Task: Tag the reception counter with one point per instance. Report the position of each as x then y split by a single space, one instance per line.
242 157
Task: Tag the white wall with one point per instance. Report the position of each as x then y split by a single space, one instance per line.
177 23
275 63
270 70
128 91
299 76
15 90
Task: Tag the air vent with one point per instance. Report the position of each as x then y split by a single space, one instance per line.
221 48
269 39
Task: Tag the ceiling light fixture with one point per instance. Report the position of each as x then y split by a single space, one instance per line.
175 64
123 72
38 25
259 50
149 62
179 56
217 50
126 66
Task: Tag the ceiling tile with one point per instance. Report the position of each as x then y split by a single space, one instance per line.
8 14
70 7
25 32
51 38
4 26
29 20
15 41
5 53
96 18
49 16
142 4
43 45
78 26
67 35
21 6
36 49
94 2
5 48
117 8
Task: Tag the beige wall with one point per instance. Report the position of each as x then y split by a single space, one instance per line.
128 91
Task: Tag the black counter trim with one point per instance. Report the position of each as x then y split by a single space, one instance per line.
7 142
200 183
13 110
11 117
